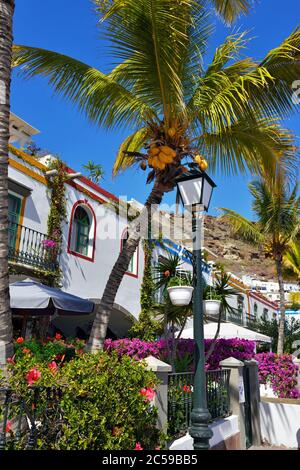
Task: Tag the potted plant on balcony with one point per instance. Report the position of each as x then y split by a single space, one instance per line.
180 290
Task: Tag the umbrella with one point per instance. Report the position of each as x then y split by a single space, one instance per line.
33 298
227 330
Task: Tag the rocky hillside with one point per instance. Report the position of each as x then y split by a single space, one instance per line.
237 256
223 246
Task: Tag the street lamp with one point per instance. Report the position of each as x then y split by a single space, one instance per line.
195 189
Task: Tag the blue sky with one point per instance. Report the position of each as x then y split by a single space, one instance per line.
69 27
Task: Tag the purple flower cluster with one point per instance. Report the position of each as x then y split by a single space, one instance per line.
48 243
237 348
241 349
134 348
280 372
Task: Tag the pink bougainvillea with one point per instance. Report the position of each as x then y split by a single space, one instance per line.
148 393
33 376
280 372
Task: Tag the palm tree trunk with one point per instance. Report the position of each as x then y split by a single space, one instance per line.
6 16
280 345
137 230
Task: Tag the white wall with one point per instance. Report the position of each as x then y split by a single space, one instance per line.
222 429
280 423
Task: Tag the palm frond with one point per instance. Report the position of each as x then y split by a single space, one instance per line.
248 230
133 143
151 38
247 144
103 100
291 259
230 10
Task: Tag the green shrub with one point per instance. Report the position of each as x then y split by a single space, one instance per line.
102 403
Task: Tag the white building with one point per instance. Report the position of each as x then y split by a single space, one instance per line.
270 288
92 235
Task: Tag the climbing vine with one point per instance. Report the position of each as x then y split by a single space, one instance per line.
147 328
58 212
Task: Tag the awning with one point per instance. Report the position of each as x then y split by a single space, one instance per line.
227 331
33 298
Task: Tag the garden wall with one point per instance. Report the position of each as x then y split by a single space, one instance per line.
280 421
226 436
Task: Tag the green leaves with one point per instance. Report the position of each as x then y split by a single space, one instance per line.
104 101
230 10
132 143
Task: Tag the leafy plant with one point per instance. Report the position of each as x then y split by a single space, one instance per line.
102 399
180 281
95 171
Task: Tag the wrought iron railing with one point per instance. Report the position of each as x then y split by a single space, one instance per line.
29 247
28 418
180 398
234 316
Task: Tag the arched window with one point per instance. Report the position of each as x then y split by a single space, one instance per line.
255 309
265 314
132 269
240 304
82 225
82 231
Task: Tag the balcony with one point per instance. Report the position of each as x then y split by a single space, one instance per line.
30 248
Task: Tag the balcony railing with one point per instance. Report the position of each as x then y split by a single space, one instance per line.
180 398
31 248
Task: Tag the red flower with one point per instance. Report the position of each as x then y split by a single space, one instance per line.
26 350
167 273
138 446
148 393
20 340
8 426
10 360
58 336
53 366
33 376
186 388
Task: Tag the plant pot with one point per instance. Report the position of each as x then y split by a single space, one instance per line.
180 295
211 307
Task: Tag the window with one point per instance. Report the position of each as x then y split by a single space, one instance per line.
132 269
265 314
82 227
240 304
255 310
82 231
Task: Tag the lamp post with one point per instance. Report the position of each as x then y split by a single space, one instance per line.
195 189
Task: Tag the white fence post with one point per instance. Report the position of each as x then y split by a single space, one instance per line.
162 370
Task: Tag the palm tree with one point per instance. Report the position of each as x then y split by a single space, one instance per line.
277 209
6 17
291 261
94 171
174 107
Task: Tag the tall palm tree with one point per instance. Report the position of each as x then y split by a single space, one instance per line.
291 261
277 209
6 17
174 107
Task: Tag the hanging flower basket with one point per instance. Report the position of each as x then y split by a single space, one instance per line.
211 307
180 295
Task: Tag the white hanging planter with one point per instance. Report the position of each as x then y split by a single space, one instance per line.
211 307
180 295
